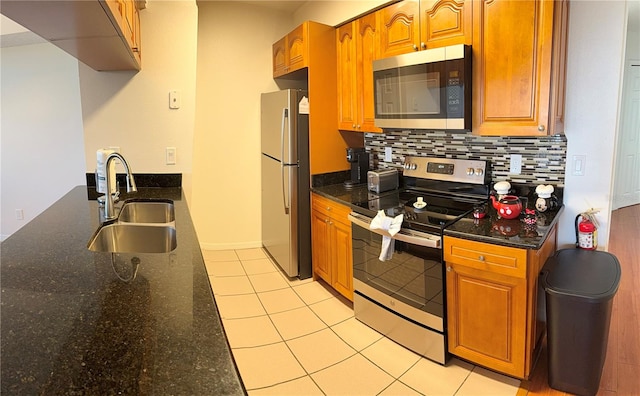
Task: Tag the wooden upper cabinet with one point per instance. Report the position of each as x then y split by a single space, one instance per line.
280 57
125 16
297 47
290 53
347 70
414 25
519 67
445 22
356 51
103 34
399 28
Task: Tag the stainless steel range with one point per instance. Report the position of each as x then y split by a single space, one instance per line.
403 297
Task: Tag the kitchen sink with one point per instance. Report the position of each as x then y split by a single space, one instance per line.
156 211
134 238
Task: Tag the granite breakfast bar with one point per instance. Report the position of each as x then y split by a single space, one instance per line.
74 322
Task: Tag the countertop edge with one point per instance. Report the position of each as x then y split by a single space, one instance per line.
339 194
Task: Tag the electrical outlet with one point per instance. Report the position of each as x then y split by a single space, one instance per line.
19 214
170 155
516 164
117 150
387 154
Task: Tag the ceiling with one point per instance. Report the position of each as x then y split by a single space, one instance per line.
288 6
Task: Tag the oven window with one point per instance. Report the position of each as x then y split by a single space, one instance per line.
414 275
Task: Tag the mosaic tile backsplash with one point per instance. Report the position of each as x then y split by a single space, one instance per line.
543 158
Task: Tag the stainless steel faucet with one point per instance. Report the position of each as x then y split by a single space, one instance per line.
109 210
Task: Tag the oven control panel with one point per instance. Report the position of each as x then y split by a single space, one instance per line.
447 169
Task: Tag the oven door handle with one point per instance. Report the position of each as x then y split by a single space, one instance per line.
408 236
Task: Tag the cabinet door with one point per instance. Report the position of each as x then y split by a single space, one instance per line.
347 77
280 56
512 47
445 22
342 258
399 28
487 318
366 44
297 48
320 245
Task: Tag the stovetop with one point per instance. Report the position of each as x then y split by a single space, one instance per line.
436 193
436 212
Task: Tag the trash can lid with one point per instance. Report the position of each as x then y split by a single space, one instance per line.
585 273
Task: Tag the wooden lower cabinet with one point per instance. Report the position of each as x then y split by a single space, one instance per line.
331 244
492 294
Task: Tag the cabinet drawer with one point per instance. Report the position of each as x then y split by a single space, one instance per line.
484 256
330 208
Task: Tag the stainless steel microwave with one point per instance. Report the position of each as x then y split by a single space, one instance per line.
428 89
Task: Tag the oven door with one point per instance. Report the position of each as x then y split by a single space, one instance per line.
411 283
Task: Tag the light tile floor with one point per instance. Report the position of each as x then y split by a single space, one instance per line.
292 337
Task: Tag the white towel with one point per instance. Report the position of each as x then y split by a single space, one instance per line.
390 227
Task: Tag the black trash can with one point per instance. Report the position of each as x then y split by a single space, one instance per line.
579 288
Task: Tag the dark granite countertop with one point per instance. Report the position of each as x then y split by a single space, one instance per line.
490 229
70 326
340 194
513 233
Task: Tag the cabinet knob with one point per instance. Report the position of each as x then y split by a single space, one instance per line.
353 126
415 47
423 45
357 126
541 128
326 221
449 268
330 222
328 207
481 258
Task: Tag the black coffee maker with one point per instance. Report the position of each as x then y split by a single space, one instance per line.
359 160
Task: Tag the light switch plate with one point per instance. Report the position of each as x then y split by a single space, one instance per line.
170 155
578 164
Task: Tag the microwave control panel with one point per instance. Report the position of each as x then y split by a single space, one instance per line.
455 106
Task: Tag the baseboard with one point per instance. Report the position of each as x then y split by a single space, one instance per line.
231 246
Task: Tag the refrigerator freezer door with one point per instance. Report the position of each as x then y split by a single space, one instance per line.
278 122
279 225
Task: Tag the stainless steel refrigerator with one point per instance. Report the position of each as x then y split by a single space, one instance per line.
286 213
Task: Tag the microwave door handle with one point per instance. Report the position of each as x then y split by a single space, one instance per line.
285 204
422 240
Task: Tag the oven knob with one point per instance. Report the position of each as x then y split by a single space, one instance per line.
470 171
410 166
479 171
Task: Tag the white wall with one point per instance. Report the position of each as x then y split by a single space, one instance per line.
594 70
334 12
131 110
234 68
42 151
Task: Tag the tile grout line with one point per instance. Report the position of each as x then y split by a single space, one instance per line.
330 327
396 379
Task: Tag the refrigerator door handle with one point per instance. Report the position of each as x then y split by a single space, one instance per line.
285 115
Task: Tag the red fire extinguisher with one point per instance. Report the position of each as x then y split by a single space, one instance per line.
586 231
